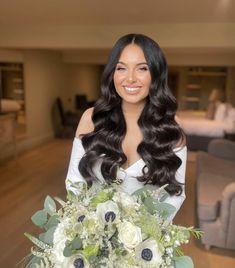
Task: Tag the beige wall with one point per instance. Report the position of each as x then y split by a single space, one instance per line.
81 79
44 80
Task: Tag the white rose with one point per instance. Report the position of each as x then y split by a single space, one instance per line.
107 212
129 234
148 252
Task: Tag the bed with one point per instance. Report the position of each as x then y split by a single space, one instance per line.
200 130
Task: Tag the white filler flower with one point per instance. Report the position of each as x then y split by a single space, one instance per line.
125 199
129 234
107 211
149 253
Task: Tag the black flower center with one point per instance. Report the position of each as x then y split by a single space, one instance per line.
81 218
147 254
78 263
110 216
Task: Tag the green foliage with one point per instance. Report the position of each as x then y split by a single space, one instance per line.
53 221
36 241
100 197
153 206
39 218
142 192
90 250
76 243
72 247
68 251
49 205
183 262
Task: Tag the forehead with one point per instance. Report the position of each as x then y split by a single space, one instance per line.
132 53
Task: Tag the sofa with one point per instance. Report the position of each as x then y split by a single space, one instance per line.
215 194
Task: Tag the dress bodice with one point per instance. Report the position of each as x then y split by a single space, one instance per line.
130 184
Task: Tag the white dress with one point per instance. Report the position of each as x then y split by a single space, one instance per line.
130 184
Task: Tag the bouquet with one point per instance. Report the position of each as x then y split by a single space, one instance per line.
106 227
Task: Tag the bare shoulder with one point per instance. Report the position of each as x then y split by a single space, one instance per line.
85 124
181 143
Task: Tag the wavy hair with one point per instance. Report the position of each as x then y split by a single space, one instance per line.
157 123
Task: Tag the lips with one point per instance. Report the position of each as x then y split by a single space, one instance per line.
132 89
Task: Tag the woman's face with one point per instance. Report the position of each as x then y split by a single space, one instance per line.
132 76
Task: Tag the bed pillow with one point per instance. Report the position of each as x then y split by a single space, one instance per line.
221 112
211 108
231 114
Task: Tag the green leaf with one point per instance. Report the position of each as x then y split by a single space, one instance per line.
68 251
151 204
39 218
42 237
100 197
76 243
53 221
165 209
36 241
183 262
49 205
49 234
35 260
90 250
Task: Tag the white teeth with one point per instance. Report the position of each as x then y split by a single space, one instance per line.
132 89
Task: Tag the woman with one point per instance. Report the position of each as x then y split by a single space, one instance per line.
131 134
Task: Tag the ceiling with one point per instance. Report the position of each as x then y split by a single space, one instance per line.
98 12
87 29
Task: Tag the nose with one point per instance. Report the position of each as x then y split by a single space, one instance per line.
131 77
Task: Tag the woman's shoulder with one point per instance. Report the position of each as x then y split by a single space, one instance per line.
85 124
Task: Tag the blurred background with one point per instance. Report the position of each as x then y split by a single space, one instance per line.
52 53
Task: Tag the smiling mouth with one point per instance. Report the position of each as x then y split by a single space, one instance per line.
132 89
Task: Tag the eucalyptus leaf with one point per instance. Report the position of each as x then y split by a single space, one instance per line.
49 235
76 243
68 251
49 205
42 237
53 221
34 261
39 218
165 209
151 204
142 191
183 262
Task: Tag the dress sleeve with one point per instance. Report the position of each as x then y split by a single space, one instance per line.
73 174
177 201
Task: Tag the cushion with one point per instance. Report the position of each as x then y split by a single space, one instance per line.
221 112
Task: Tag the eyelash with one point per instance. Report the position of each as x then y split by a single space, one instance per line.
141 68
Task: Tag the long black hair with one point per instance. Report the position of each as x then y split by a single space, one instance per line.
157 123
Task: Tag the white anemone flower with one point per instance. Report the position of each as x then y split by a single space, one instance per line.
148 252
76 261
107 212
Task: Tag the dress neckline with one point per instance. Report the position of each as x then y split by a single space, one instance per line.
140 160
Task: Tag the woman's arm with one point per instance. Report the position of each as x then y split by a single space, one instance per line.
73 175
175 200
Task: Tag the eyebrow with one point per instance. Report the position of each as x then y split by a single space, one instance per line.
120 62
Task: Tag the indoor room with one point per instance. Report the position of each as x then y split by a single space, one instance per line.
52 56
